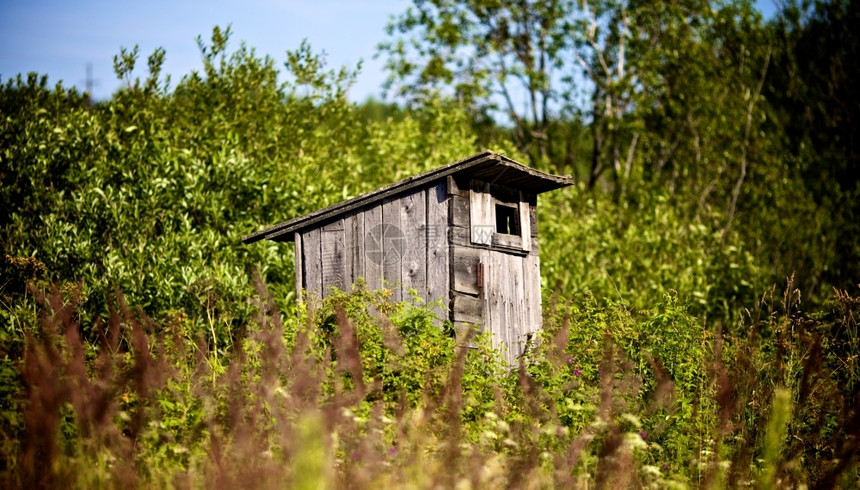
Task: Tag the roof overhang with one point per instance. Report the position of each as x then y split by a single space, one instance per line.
487 166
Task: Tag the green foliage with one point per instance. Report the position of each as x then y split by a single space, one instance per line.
660 363
638 252
360 388
816 106
150 192
744 126
489 55
176 178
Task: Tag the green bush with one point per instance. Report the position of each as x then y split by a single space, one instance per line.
660 363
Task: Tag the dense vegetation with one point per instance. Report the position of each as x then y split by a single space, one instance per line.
700 282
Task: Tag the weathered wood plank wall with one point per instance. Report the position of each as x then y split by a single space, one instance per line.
312 261
399 243
300 271
374 247
506 299
413 261
332 246
438 250
423 241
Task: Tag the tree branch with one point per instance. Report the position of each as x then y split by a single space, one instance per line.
737 189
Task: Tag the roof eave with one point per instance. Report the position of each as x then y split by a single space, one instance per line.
285 231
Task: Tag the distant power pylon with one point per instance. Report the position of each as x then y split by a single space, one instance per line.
90 82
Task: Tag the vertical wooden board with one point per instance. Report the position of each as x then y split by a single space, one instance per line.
486 297
531 291
481 223
353 229
519 323
332 244
413 219
538 313
495 297
525 221
360 254
504 283
393 246
493 318
312 262
374 247
459 214
438 251
502 280
533 219
464 268
528 295
349 244
299 264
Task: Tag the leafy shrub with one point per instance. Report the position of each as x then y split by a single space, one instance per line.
360 390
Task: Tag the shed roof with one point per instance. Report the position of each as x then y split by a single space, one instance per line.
488 166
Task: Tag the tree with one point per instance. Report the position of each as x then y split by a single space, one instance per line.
503 60
816 101
636 74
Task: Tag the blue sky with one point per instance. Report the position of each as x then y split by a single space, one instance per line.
59 38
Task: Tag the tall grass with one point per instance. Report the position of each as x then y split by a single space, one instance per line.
353 395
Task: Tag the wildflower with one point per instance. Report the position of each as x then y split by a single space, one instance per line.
643 435
570 359
392 451
577 372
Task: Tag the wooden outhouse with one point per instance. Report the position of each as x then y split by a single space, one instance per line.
465 232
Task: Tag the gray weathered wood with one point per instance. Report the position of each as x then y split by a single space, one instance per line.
454 189
394 246
300 277
464 263
359 256
506 322
332 243
413 221
486 165
531 289
525 222
349 243
485 296
500 317
313 262
458 235
467 308
359 264
374 247
459 215
505 194
438 250
504 285
424 237
353 247
518 323
511 243
480 213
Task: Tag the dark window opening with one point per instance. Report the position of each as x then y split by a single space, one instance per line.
507 220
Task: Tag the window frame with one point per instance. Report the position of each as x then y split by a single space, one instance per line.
483 201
